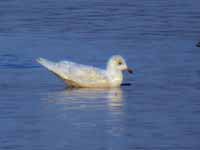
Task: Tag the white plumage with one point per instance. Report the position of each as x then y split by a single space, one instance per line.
78 75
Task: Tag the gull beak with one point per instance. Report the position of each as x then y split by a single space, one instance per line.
130 70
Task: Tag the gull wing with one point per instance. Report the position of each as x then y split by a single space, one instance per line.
77 75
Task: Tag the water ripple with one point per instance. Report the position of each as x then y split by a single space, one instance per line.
11 61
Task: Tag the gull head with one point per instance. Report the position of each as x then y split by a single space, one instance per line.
118 63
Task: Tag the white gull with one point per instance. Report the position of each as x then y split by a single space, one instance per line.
78 75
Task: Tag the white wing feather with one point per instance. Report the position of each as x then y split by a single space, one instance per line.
76 74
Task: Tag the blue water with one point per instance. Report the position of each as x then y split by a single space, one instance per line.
160 110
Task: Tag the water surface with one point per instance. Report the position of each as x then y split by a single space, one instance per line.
159 110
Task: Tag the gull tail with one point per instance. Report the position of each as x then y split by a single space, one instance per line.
55 69
47 64
52 66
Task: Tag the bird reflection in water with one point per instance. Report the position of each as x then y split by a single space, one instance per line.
85 98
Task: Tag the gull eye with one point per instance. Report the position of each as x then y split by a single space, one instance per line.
119 63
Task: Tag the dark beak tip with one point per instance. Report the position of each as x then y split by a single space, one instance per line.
130 70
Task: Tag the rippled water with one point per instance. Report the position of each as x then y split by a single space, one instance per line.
159 110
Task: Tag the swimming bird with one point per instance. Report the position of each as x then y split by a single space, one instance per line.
83 76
